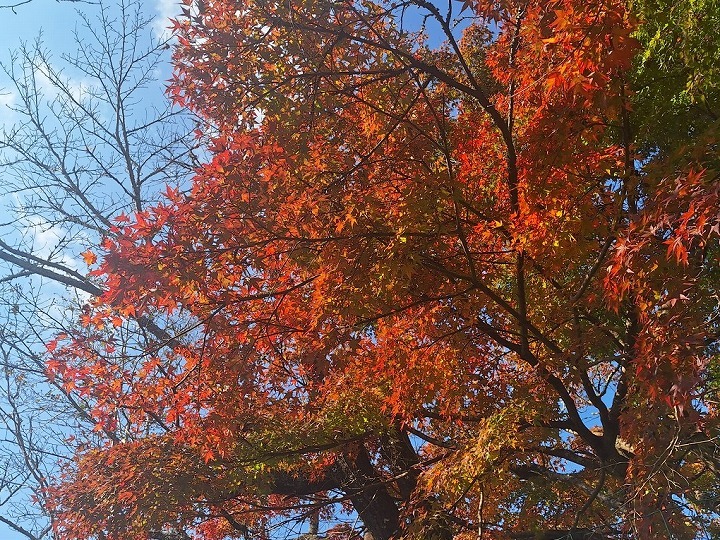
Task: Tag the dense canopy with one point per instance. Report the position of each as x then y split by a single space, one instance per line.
456 291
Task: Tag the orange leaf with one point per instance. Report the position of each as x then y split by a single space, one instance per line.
89 257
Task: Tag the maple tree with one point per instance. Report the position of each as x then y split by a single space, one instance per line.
458 291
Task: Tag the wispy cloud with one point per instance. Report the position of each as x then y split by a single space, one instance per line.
46 240
166 9
8 100
48 81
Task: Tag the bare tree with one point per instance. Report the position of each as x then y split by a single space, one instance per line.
91 138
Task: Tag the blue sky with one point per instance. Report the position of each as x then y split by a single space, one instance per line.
53 18
57 21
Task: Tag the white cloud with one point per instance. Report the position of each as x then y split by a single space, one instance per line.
166 9
45 236
8 100
45 76
45 239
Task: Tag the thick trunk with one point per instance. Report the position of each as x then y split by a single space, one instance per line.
370 497
355 475
285 483
397 450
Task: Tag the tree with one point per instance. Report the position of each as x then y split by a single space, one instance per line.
458 291
87 136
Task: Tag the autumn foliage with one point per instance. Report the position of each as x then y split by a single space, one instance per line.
450 290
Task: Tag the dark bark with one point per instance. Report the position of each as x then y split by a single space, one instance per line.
397 450
285 483
369 495
355 475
